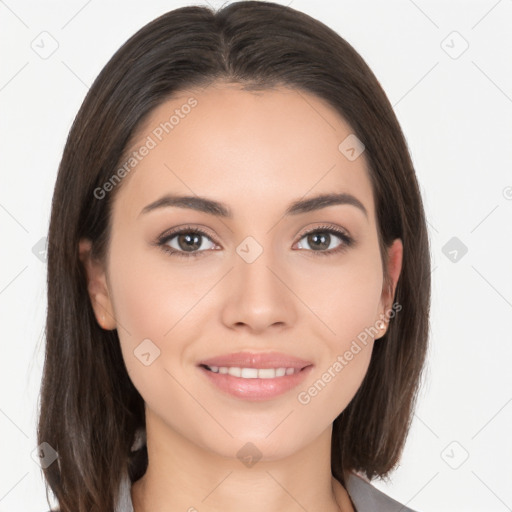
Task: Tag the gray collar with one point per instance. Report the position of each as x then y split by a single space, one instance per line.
368 498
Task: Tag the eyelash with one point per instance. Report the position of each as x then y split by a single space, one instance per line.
162 241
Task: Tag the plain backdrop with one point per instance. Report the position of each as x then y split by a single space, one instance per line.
446 67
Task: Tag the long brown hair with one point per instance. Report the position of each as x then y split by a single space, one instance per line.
89 408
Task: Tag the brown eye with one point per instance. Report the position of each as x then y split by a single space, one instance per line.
185 242
322 241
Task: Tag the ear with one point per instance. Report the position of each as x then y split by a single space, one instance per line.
97 286
395 255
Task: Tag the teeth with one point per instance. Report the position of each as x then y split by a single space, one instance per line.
254 373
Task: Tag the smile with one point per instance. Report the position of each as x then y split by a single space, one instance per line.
253 373
254 384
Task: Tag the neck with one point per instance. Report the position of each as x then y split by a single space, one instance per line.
182 475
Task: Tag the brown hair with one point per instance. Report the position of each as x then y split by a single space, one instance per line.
89 408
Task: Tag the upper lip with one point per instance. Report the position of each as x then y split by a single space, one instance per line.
257 360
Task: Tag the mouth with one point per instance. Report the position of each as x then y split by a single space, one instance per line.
254 384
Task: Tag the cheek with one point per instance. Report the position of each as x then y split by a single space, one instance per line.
346 299
344 293
348 308
150 294
156 302
151 308
329 391
138 293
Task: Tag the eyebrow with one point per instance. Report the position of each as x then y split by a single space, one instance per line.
202 204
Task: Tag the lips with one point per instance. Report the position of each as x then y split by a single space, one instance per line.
277 374
257 360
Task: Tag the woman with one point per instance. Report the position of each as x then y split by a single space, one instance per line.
238 275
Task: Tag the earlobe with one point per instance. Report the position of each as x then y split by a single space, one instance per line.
97 286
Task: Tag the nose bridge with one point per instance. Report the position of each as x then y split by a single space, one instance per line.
257 295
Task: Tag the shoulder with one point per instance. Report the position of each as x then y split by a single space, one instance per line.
368 498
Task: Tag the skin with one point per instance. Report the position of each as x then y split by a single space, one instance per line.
257 152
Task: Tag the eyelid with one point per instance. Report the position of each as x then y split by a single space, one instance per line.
325 226
186 228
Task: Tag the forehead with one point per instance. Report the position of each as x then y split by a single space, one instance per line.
248 149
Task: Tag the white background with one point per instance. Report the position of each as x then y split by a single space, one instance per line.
456 114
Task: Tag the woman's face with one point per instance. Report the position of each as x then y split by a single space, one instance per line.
255 281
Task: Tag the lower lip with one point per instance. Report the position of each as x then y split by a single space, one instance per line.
256 389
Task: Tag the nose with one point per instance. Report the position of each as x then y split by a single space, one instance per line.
258 295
